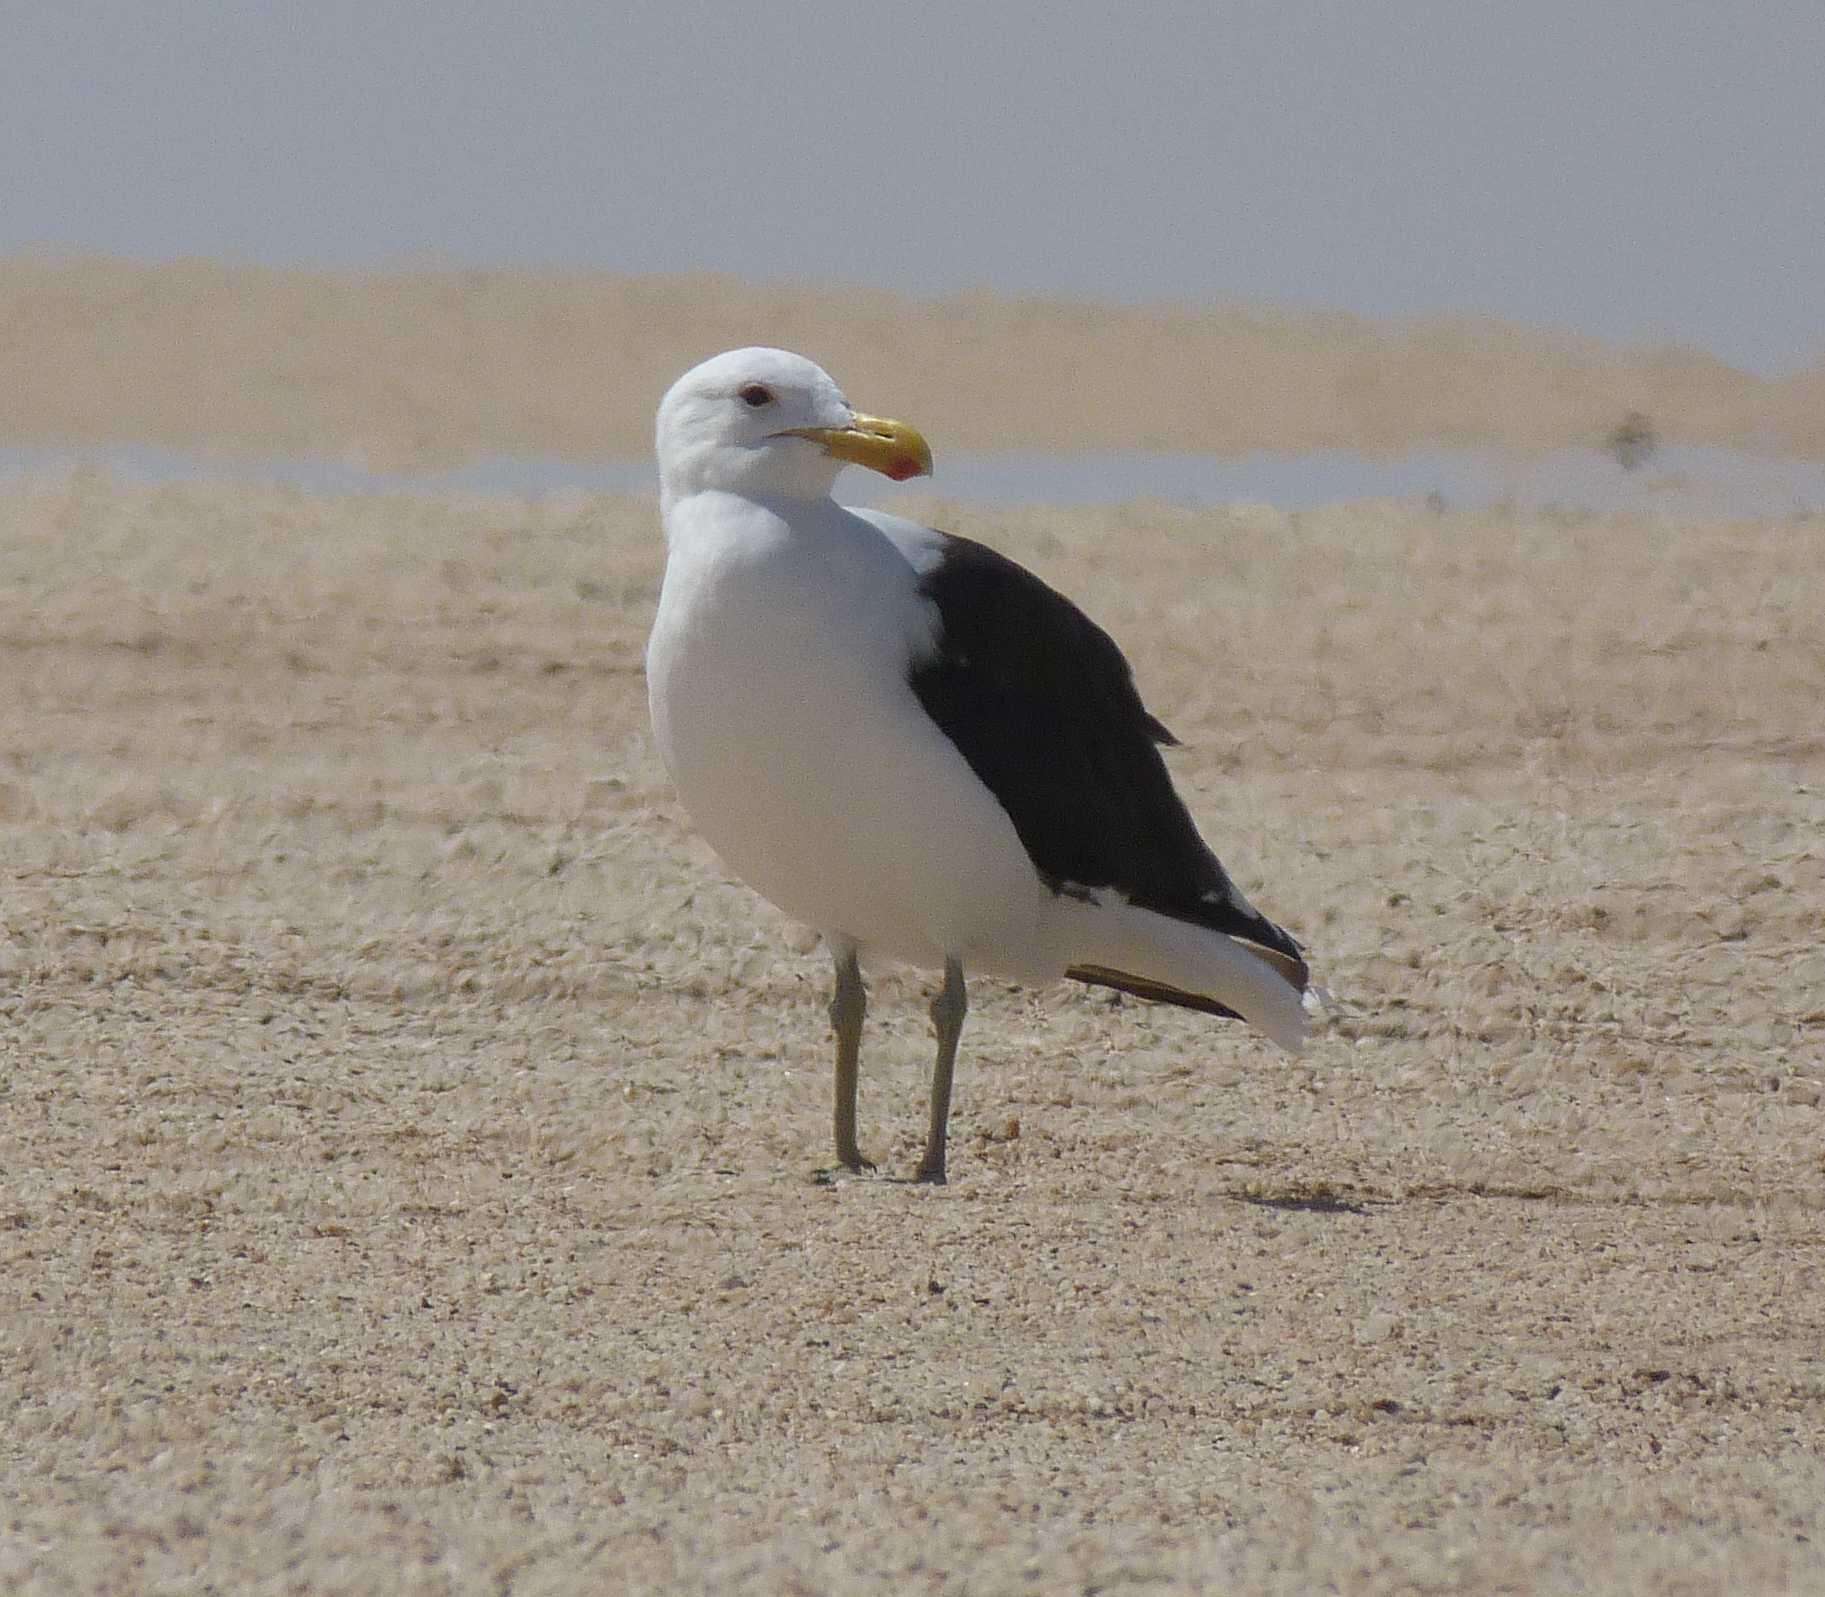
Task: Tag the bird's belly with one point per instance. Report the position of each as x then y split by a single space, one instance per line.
826 788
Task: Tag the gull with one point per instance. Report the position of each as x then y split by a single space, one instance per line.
914 745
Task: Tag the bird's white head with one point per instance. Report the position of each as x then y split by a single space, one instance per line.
768 422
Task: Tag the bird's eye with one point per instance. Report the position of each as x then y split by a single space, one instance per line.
756 395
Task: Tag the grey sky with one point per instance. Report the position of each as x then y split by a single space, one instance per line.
1639 169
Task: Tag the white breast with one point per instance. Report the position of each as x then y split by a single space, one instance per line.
777 673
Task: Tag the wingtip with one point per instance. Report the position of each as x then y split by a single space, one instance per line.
1287 1032
1293 1029
1314 1010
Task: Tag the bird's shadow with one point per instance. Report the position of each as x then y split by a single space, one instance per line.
841 1176
1313 1200
1318 1202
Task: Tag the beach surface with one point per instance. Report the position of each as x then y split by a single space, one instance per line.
409 1128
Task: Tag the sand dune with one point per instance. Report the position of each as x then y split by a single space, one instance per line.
426 368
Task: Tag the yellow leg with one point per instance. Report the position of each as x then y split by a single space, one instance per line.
948 1009
848 1004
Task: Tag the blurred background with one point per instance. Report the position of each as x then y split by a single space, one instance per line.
396 237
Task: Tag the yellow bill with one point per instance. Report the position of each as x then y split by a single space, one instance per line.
889 447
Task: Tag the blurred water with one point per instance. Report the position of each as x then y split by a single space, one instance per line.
1682 480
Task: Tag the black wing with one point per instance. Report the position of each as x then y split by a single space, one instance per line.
1042 704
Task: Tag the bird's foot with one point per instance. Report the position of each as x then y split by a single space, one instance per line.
929 1175
843 1168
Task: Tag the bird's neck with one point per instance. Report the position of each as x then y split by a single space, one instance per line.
743 513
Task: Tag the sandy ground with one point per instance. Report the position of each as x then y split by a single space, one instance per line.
418 369
407 1127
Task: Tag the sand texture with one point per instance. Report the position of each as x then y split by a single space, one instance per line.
407 1126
